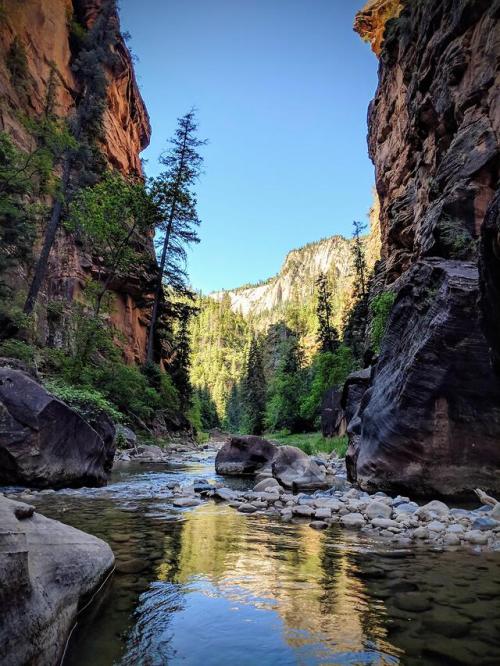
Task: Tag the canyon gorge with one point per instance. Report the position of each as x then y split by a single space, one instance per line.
364 545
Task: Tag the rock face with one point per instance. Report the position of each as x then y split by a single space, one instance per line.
47 571
42 29
244 455
430 420
332 415
45 443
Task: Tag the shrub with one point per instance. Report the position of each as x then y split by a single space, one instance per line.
88 402
18 349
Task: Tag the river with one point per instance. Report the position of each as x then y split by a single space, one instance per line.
208 585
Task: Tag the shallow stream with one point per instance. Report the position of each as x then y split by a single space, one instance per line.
210 586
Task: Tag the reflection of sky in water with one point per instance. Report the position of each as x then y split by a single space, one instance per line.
216 587
235 596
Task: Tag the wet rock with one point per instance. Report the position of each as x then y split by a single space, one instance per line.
385 523
43 442
46 570
432 509
323 513
186 501
495 512
268 485
303 510
294 469
318 525
224 494
247 508
420 533
150 453
244 454
436 526
132 566
477 537
378 510
353 520
485 524
414 602
451 539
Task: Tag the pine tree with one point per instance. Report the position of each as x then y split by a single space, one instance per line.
327 333
179 367
233 417
254 391
285 389
176 202
359 259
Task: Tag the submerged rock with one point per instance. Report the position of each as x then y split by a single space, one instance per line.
46 570
43 442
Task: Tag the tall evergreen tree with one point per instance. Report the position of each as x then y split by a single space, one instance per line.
254 391
327 333
176 202
359 259
285 389
179 368
233 417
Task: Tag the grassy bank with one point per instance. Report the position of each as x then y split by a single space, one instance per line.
311 442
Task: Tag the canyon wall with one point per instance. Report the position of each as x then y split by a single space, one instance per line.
430 421
43 31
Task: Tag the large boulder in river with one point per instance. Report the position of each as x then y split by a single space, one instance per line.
43 442
245 454
430 421
46 570
294 469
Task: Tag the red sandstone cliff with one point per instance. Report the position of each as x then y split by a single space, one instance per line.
430 419
42 27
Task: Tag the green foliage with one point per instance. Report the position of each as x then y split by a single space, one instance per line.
380 309
87 401
312 442
327 333
285 390
253 391
328 369
19 350
219 340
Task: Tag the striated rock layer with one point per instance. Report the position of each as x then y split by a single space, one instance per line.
43 28
430 420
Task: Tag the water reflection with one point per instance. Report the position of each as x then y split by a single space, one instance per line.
212 586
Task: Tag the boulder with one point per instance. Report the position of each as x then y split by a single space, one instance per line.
47 569
147 453
125 437
333 422
245 454
268 485
43 442
430 421
294 469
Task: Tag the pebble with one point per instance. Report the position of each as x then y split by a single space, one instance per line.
353 520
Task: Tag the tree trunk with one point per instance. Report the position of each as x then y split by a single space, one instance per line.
48 241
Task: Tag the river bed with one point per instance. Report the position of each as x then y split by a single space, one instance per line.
208 585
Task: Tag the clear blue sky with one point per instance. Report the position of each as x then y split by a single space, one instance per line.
282 89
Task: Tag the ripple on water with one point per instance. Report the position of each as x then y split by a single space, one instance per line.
208 585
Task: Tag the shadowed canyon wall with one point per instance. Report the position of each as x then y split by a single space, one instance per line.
430 420
43 29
